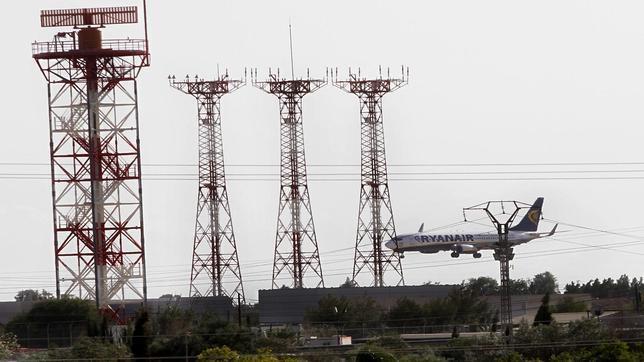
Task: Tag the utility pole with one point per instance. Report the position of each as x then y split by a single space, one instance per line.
503 252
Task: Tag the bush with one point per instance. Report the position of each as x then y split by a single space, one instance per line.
91 348
372 353
223 354
8 345
56 322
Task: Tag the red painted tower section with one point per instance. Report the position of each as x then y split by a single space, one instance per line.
95 154
375 214
215 265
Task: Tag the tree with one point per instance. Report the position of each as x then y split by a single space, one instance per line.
331 310
544 283
482 286
348 283
544 315
406 312
31 295
372 353
140 339
519 286
223 354
59 321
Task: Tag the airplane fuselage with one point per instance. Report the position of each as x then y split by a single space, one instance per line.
464 243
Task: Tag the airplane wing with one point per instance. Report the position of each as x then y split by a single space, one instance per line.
549 233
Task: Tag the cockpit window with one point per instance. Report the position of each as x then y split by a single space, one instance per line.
400 237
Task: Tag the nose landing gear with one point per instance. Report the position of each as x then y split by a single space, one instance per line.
477 255
455 254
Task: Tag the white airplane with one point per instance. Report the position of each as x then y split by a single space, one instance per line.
471 243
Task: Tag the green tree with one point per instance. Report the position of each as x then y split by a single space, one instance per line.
482 286
468 308
58 321
519 286
614 351
373 353
544 315
349 283
223 354
405 313
544 283
140 339
331 310
32 295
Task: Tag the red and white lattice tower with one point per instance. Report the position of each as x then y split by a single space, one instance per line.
296 246
95 154
215 266
375 215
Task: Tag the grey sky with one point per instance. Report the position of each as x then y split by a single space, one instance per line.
491 82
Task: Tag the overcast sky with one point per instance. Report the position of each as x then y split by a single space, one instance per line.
491 82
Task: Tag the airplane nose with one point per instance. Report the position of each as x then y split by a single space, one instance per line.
390 244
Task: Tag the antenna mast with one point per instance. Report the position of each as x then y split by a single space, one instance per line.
290 38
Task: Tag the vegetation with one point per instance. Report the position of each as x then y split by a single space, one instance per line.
223 354
364 317
8 345
56 322
568 304
87 348
540 284
31 295
174 333
622 287
544 315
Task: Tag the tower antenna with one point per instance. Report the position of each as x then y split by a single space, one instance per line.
97 198
215 264
297 257
375 214
290 39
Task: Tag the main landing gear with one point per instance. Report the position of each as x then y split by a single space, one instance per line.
477 255
455 254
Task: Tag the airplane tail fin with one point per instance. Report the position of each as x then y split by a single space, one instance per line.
530 221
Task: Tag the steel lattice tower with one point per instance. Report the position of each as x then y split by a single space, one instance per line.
375 215
215 265
95 155
296 246
503 252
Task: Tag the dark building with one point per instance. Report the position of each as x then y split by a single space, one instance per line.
288 306
222 307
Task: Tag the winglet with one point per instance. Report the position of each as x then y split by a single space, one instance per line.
422 226
552 232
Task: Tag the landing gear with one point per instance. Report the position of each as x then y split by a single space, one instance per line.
455 254
402 255
477 255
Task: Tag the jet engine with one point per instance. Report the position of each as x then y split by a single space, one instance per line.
465 249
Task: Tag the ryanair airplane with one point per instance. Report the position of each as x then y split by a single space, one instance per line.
459 244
